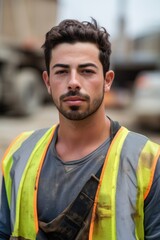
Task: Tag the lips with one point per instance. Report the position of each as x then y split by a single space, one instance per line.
73 100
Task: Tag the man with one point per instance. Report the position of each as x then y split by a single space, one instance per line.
86 177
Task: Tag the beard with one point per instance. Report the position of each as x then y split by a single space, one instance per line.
77 113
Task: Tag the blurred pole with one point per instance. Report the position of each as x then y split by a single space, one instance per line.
122 17
122 38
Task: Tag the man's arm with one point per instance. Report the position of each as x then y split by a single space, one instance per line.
5 227
152 208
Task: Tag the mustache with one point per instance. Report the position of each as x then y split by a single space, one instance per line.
74 93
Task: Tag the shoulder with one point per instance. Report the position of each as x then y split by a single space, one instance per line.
28 137
24 141
139 150
138 141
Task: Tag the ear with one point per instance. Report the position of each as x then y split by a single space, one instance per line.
46 81
108 80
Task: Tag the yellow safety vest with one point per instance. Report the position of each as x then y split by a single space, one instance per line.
21 174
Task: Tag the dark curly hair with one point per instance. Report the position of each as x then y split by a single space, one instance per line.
72 31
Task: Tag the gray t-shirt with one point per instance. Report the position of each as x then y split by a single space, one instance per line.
60 182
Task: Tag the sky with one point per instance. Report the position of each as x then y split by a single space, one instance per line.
141 15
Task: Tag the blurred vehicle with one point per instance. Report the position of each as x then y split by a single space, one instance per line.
21 85
146 99
22 30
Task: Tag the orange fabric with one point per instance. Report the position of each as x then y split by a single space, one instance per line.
37 181
152 174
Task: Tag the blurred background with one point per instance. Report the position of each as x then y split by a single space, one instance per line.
134 28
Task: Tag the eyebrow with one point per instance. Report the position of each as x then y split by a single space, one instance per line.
87 65
80 66
61 65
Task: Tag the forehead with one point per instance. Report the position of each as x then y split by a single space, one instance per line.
81 52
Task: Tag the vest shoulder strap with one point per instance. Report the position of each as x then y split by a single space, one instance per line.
145 174
7 160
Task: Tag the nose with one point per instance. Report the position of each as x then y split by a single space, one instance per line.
74 81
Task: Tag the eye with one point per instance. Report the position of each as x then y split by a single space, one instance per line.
60 72
88 71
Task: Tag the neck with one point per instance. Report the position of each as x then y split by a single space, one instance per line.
82 136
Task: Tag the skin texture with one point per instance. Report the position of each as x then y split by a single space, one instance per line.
77 85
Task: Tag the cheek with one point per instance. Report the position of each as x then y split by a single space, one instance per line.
99 87
57 89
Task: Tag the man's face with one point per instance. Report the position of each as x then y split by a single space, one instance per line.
76 80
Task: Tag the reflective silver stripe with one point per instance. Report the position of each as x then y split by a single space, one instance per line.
20 158
127 186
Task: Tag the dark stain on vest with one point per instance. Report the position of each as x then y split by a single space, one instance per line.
147 160
103 210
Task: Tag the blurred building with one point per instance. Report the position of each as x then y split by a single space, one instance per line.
23 25
133 55
26 20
